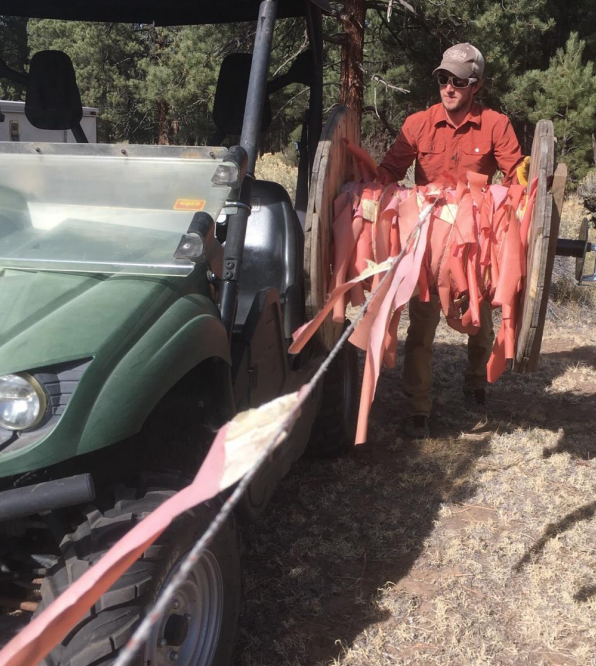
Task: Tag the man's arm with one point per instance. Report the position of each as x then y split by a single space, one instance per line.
507 151
399 157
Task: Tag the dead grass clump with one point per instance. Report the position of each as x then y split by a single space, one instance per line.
566 291
278 168
587 191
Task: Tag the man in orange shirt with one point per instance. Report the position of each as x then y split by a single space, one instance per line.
447 140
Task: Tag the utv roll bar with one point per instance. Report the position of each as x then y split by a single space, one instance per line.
251 128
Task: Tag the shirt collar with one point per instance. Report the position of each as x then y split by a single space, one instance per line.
474 116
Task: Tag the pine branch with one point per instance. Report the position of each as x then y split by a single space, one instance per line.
383 118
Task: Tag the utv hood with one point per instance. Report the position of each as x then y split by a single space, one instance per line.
48 318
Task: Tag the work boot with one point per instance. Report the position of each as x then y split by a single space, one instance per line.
417 427
475 398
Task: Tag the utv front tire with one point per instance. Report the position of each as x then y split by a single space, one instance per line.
200 627
334 429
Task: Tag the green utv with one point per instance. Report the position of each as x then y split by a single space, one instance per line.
147 294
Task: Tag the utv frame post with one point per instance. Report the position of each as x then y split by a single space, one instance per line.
313 122
314 17
251 128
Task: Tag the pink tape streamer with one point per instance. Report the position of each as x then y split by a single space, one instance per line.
377 332
400 291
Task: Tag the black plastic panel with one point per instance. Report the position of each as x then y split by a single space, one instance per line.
272 255
59 382
162 12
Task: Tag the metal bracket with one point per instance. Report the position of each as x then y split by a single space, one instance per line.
191 247
579 249
230 269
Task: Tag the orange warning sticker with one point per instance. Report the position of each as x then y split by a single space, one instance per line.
189 204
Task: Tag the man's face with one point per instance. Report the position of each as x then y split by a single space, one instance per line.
457 99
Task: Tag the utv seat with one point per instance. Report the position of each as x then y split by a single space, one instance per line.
52 100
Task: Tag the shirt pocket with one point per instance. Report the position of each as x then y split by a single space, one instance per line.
431 147
430 161
477 155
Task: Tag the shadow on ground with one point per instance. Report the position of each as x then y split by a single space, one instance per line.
338 531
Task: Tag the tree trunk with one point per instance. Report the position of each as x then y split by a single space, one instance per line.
352 50
163 126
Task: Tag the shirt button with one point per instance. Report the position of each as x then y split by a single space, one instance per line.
476 150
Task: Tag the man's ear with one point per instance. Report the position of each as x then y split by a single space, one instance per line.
477 86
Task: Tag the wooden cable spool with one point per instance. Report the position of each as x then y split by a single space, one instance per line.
333 167
542 242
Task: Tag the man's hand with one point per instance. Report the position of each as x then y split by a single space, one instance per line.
523 171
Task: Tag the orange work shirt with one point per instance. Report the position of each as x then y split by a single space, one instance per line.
484 142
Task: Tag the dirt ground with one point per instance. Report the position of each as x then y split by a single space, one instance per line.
476 547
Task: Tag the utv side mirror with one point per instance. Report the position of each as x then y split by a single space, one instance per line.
230 95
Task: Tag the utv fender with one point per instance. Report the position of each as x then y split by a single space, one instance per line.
146 373
125 376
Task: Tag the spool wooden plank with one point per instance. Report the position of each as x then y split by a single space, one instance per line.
542 241
580 261
333 167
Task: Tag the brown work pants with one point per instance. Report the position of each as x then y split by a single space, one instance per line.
417 381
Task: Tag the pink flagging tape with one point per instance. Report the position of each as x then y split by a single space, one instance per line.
394 290
403 283
237 449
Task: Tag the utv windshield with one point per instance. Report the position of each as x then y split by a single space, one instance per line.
103 208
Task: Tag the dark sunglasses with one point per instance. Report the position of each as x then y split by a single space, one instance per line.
455 81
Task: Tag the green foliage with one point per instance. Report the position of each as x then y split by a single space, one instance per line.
566 94
13 37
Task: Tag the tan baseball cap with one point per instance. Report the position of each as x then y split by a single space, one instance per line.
463 60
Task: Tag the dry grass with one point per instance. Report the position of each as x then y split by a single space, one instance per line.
474 548
278 168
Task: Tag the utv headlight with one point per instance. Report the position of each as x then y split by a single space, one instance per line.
23 402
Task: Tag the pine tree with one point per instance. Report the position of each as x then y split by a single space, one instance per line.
15 53
566 94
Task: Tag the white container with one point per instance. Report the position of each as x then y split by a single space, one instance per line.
16 127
